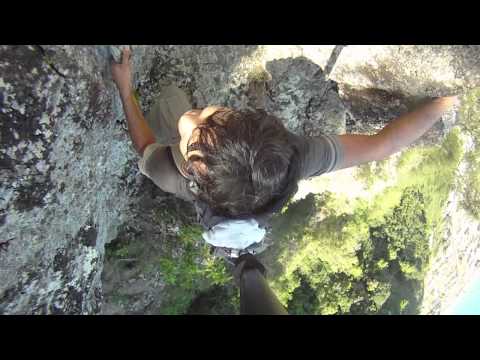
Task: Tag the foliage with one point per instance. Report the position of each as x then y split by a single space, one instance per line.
471 193
403 305
405 234
122 250
432 171
380 294
341 262
217 300
192 271
470 123
373 171
258 74
469 118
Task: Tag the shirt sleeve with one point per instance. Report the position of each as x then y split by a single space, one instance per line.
320 154
157 164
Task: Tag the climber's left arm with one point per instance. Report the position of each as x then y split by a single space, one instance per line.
399 133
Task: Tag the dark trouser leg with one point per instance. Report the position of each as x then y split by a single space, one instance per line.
256 297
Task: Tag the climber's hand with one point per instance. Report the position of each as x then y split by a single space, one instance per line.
122 73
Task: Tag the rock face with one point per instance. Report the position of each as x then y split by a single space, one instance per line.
69 181
456 261
61 202
380 82
411 71
300 94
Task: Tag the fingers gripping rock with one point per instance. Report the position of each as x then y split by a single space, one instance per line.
116 52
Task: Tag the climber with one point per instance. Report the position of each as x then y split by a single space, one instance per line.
239 167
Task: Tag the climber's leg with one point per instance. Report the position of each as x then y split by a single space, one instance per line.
167 109
256 297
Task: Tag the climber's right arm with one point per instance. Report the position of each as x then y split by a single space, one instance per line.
325 153
398 134
140 132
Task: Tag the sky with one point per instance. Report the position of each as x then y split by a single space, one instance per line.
469 302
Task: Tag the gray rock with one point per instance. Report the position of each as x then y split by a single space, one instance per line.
409 70
62 195
380 82
300 95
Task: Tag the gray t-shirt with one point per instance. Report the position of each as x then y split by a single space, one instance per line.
318 155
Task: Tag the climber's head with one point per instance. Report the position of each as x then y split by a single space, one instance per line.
241 161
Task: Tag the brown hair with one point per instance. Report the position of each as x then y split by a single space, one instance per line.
249 162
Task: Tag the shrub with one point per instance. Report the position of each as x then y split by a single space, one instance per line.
192 271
